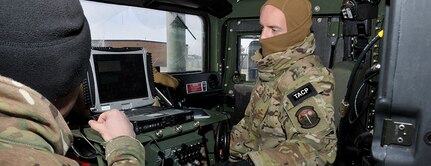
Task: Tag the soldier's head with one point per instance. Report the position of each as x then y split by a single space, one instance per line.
45 44
284 24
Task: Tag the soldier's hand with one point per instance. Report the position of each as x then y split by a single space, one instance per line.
112 124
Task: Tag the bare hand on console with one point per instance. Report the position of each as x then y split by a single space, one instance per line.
112 124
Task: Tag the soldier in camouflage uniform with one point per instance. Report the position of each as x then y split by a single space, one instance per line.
290 117
44 49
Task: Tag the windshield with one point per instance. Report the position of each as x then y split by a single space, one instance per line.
175 40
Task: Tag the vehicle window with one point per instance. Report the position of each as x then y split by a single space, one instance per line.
175 40
249 45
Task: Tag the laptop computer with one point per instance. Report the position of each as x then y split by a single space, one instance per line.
122 78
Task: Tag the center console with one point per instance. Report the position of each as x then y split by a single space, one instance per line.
189 143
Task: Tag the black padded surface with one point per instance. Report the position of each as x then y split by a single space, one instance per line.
404 81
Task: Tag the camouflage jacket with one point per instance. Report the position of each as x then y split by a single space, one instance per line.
33 132
290 117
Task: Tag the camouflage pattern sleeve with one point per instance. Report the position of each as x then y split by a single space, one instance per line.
290 117
307 121
239 135
125 150
242 138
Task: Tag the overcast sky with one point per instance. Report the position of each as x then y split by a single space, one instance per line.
115 22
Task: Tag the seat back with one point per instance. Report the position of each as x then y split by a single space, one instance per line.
341 72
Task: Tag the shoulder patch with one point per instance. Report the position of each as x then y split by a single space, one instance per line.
302 93
307 117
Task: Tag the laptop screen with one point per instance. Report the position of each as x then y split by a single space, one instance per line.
122 78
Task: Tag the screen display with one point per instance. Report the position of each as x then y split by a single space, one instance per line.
120 76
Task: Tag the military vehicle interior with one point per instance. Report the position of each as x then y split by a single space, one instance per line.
380 96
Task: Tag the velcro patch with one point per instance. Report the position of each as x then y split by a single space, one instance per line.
302 93
307 117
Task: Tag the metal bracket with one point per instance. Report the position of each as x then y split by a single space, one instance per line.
334 28
397 133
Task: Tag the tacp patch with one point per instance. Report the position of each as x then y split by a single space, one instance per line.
302 93
307 117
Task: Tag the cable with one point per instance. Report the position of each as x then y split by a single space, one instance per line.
369 74
92 146
160 152
163 97
80 154
361 57
155 142
356 97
